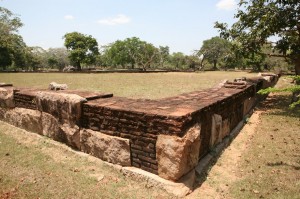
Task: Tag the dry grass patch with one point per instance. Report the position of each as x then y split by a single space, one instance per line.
133 85
37 167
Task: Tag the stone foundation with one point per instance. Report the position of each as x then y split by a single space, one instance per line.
167 137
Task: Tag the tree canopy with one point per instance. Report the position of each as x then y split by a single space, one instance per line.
132 51
260 20
214 50
11 44
82 48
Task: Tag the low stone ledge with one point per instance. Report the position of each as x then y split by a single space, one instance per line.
109 148
27 119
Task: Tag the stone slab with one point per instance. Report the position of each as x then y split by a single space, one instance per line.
177 156
112 149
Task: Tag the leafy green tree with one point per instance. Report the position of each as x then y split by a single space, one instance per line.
146 56
192 61
214 50
164 52
117 54
82 48
18 52
131 51
178 59
35 58
57 58
259 20
141 53
9 39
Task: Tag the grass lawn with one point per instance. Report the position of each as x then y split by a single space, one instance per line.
133 85
32 166
262 162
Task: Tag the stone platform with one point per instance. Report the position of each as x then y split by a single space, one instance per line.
166 137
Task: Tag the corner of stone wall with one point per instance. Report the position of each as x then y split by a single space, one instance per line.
67 108
177 156
7 97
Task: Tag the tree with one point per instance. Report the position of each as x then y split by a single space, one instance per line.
131 51
142 53
192 61
117 54
57 58
259 20
164 52
178 59
146 54
82 48
11 43
214 50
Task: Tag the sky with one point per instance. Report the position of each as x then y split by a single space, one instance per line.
180 24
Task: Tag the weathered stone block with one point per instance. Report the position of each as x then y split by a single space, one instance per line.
50 126
72 135
225 129
65 107
6 97
177 156
27 119
63 133
216 130
109 148
249 104
2 113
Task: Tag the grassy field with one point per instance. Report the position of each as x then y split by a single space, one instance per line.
32 166
133 85
262 162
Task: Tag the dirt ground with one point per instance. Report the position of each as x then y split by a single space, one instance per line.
224 171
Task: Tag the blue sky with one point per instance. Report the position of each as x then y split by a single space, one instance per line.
180 24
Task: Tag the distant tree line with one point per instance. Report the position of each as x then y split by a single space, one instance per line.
82 51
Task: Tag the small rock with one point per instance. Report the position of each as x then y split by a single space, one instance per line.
101 177
75 170
255 191
7 154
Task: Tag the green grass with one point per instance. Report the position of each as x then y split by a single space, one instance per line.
271 167
36 167
133 85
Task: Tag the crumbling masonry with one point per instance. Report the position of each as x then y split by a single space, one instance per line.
167 137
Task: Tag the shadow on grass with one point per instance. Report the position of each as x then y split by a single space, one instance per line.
279 103
281 163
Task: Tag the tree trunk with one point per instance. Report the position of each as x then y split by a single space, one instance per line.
78 66
215 65
297 66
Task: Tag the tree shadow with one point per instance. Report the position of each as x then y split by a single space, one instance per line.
279 103
281 163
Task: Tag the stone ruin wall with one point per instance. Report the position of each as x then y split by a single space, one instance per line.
167 137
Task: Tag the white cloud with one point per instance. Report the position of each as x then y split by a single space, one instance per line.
119 19
226 4
69 17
